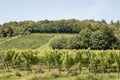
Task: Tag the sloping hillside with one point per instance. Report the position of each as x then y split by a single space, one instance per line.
32 41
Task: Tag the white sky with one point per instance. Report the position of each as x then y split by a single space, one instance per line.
19 10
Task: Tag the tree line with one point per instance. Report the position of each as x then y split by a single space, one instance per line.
50 26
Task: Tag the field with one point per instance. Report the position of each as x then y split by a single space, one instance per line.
25 42
33 41
30 57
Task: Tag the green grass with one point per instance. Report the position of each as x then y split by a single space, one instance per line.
2 40
88 76
26 42
79 77
5 79
85 75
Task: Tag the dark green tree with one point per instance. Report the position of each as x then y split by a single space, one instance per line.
103 38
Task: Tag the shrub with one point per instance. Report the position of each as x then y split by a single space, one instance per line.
59 42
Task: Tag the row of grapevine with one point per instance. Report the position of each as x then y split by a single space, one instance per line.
95 61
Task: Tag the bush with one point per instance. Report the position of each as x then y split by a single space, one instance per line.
59 42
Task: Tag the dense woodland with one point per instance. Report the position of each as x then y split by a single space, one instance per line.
92 34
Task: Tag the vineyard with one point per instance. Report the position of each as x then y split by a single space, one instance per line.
59 40
31 57
73 62
25 42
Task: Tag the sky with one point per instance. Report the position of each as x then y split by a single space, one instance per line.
20 10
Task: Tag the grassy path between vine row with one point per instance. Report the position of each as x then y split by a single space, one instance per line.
9 39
